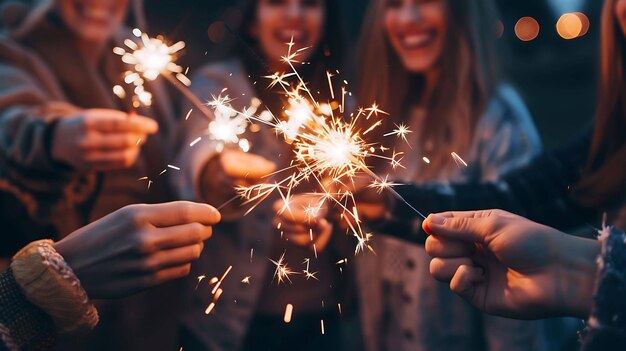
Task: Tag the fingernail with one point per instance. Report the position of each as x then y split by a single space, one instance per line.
437 219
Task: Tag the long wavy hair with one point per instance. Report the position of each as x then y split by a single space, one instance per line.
465 85
604 180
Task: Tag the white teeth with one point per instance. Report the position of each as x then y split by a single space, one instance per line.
413 40
96 13
287 34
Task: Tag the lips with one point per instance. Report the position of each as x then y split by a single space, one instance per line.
417 40
94 12
300 37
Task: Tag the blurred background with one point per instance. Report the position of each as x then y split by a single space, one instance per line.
551 50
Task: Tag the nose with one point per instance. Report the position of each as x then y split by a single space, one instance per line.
411 14
294 11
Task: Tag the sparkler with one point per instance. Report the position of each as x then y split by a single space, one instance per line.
327 146
153 58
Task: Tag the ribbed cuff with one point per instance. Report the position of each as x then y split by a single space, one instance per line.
49 283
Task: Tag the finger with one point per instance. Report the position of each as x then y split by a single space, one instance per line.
106 142
288 227
180 236
112 160
174 257
325 230
443 269
178 213
445 248
238 164
167 274
109 122
299 239
466 228
464 281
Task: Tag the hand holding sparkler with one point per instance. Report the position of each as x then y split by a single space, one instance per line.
302 220
100 139
229 170
509 266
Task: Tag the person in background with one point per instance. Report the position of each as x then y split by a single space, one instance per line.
71 151
250 316
572 186
45 293
432 66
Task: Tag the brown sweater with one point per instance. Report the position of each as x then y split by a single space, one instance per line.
44 78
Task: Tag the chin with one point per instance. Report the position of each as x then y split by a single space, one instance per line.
418 67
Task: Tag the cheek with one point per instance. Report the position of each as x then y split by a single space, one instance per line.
389 26
315 23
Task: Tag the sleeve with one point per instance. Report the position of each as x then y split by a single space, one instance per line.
196 147
27 119
22 324
538 191
507 136
607 324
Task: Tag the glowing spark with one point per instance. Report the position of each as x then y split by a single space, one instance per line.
339 307
282 271
382 184
458 159
188 114
246 280
228 125
288 313
173 167
401 131
426 159
219 282
322 325
195 142
200 278
209 308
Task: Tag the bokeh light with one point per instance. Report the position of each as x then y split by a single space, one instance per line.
527 29
569 26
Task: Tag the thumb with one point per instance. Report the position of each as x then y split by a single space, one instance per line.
458 226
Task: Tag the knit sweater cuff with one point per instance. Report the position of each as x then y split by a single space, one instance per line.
49 283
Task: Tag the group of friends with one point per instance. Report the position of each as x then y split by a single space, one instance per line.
93 257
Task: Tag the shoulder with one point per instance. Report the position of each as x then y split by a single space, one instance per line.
228 74
506 106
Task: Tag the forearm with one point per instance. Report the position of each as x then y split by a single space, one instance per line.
578 262
538 191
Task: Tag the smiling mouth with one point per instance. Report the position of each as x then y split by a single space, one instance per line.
94 13
299 36
418 41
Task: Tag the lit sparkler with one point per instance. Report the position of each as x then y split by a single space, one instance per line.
153 58
326 145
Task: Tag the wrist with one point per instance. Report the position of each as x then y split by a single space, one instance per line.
578 262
